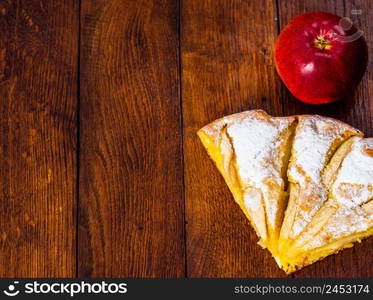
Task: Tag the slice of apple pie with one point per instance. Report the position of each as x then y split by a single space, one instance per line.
251 150
315 141
304 182
347 215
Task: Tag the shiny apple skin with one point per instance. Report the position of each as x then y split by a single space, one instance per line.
314 75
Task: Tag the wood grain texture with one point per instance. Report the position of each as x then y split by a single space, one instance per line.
357 111
38 89
113 182
361 115
131 216
227 67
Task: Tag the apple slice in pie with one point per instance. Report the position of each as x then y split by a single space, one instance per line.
251 150
316 139
347 216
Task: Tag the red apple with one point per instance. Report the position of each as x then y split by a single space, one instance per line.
321 57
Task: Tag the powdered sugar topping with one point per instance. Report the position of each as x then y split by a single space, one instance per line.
314 140
354 182
256 143
312 143
343 223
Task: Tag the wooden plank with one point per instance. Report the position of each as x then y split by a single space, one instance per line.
131 218
361 114
38 100
357 112
227 67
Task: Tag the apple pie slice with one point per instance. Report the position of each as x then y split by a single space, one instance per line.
316 139
304 182
251 150
347 216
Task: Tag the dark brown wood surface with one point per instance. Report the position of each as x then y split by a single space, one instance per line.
131 207
101 171
38 94
227 67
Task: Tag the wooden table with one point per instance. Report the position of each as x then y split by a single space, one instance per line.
101 172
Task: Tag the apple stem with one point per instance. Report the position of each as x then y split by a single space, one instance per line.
322 43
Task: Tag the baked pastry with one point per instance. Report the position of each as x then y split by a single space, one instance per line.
251 150
315 141
325 164
347 216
